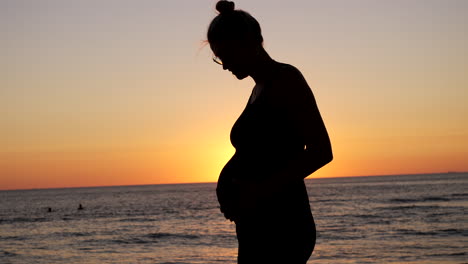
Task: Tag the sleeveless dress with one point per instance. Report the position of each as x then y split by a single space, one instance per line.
281 229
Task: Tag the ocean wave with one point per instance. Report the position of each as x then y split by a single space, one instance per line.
435 233
435 199
74 234
132 240
408 207
460 194
170 235
144 239
120 241
363 216
137 220
4 253
419 200
23 220
85 249
14 238
317 200
455 254
175 263
420 208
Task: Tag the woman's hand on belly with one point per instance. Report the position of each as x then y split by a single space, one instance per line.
239 198
228 197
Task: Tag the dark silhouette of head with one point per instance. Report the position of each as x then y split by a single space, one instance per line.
235 38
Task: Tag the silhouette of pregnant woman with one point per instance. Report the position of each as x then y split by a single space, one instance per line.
280 139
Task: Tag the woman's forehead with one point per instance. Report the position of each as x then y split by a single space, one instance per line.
222 47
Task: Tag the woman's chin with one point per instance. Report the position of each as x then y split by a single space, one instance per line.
240 76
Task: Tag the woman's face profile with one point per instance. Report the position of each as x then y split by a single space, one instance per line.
234 56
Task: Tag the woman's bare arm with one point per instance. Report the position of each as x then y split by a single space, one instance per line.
294 95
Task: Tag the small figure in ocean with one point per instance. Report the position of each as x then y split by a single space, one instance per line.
49 210
280 139
80 207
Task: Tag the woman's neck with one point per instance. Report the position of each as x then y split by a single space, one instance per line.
262 67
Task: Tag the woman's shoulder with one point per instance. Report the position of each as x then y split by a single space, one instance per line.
288 83
285 70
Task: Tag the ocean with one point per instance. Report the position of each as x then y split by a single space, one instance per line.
385 219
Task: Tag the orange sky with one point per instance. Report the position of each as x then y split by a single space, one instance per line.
96 94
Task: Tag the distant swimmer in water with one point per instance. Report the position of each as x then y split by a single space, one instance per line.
80 207
49 210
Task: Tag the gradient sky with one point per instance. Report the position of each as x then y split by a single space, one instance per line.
119 92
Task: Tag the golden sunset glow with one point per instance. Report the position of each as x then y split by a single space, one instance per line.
123 93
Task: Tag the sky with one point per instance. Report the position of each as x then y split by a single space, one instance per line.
113 92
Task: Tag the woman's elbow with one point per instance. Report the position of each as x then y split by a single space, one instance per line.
325 157
324 150
326 154
320 157
317 160
328 157
323 154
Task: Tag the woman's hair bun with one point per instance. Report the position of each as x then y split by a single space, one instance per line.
224 6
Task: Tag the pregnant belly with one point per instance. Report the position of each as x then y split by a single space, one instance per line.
227 190
290 200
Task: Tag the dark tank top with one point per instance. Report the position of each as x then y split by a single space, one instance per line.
265 140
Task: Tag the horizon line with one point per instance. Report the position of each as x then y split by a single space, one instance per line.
181 183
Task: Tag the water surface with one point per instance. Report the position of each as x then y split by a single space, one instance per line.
387 219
